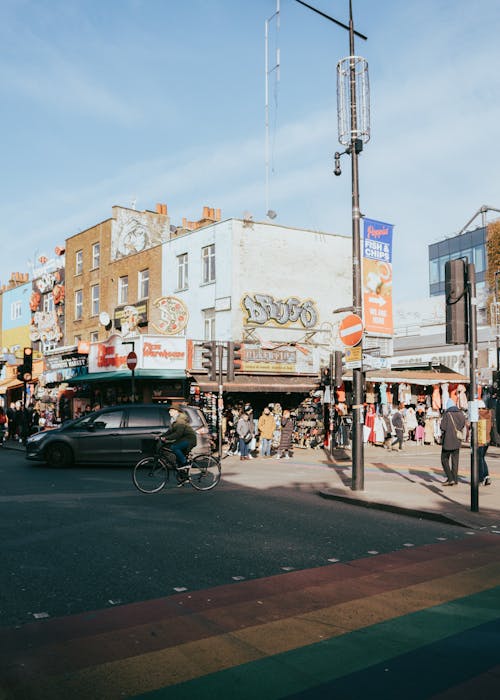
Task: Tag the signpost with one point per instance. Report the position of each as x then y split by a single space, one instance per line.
132 364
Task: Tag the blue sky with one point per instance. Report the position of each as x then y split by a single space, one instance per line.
104 102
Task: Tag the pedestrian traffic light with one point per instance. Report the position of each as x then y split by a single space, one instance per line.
325 376
209 359
234 360
28 364
455 287
20 373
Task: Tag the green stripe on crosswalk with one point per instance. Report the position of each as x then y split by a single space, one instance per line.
300 669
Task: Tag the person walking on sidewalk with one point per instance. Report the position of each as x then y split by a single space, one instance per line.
266 426
285 446
483 441
399 427
452 424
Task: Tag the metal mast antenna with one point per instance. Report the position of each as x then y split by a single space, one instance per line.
276 67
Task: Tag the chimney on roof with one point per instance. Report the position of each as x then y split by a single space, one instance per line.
161 209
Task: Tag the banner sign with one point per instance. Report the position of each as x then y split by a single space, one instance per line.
164 353
377 277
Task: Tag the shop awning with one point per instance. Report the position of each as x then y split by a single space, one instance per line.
420 377
7 384
126 374
260 383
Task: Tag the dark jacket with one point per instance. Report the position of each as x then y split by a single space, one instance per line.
453 419
397 421
286 433
181 430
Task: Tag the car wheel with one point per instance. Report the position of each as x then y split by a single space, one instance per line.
58 455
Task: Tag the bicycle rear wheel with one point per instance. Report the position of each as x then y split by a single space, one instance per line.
204 472
150 475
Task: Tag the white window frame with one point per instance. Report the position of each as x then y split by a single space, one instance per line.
15 310
209 324
48 303
78 304
123 289
208 264
94 297
143 284
94 337
182 271
96 255
78 262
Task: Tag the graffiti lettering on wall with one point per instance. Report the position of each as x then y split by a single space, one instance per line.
263 309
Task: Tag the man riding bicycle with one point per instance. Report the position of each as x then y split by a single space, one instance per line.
180 436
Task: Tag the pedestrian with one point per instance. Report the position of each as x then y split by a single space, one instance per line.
285 446
388 432
398 427
11 415
245 434
483 440
253 428
4 421
266 426
411 423
452 425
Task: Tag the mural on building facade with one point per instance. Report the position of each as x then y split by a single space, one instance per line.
47 307
134 231
128 319
264 309
173 315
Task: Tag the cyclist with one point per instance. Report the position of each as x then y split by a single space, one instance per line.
180 436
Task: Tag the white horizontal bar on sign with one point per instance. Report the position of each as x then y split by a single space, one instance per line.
351 330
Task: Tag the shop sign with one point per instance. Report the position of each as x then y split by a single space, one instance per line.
173 315
128 319
280 360
108 356
163 353
377 277
264 309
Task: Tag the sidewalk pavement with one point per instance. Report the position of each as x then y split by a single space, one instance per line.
409 482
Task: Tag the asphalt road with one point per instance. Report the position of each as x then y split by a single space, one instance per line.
84 539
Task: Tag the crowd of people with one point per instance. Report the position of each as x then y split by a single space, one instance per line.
271 434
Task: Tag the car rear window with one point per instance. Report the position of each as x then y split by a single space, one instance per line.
145 417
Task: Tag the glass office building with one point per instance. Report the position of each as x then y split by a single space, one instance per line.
470 245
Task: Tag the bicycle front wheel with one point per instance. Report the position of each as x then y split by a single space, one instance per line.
150 475
204 472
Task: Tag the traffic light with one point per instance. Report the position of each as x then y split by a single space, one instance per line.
20 372
209 359
28 364
234 360
325 376
455 287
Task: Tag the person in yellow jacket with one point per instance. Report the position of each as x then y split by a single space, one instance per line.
266 426
483 441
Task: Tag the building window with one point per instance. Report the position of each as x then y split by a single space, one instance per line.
143 284
77 339
208 263
94 337
79 305
182 271
15 310
209 324
95 299
79 262
123 289
96 255
48 303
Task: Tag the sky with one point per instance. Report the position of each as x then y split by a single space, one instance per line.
116 102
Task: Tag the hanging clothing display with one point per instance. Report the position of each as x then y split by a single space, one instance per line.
383 393
436 398
404 394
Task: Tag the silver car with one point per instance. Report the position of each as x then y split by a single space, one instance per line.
114 435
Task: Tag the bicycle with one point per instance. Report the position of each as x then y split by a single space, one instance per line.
152 473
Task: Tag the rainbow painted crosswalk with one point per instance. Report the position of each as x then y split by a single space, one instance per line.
422 622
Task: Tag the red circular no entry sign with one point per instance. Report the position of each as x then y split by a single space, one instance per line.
351 330
132 360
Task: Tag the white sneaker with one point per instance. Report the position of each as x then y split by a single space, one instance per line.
250 456
287 456
277 457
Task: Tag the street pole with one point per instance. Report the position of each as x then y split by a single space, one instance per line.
473 412
332 402
358 476
220 403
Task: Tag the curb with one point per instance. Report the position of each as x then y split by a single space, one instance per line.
391 508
